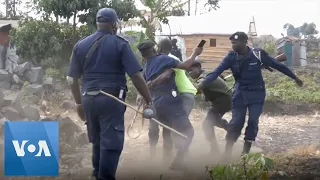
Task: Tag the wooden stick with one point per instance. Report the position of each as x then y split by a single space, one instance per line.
153 119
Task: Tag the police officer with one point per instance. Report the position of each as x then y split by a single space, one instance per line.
219 95
175 50
102 59
249 89
167 102
186 89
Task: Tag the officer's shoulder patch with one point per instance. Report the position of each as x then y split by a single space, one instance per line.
122 38
262 51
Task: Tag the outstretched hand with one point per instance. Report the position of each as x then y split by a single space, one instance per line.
299 82
200 87
197 51
149 111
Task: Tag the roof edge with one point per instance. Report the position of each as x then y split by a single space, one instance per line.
196 34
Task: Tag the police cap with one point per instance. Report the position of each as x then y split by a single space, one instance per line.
147 44
241 36
107 15
174 41
165 43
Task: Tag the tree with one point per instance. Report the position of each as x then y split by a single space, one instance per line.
209 5
177 12
65 9
45 43
308 30
159 10
125 9
305 31
12 9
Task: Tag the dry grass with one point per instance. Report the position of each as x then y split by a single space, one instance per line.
299 161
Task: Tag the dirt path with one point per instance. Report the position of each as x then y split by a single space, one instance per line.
277 133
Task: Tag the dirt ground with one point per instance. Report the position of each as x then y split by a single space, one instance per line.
293 141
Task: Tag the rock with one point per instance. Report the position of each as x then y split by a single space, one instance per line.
14 101
68 126
36 89
2 121
67 105
16 87
11 114
35 75
5 76
22 68
83 139
16 79
58 85
1 99
5 85
31 113
48 83
5 92
32 99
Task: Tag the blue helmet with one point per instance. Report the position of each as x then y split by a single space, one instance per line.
107 15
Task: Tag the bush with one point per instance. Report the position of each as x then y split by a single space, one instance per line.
281 88
251 167
46 43
270 47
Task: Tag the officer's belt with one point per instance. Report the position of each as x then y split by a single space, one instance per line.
96 92
163 93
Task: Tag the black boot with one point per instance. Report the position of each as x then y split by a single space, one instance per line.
246 147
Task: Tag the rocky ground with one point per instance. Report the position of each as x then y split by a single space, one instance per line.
289 134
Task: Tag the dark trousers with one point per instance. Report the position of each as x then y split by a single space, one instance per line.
105 124
188 103
239 118
213 118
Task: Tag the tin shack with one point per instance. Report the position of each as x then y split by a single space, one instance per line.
295 50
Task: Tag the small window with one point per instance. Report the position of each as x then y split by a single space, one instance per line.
213 42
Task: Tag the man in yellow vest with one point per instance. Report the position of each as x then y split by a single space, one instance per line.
186 89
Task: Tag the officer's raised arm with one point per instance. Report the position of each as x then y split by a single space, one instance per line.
224 65
133 69
185 65
270 61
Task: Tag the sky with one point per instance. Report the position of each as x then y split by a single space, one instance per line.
269 15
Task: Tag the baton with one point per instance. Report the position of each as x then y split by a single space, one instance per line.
153 119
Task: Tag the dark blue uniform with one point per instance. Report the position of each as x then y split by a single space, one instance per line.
169 109
105 116
249 90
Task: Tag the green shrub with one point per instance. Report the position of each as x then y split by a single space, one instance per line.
46 43
251 167
282 88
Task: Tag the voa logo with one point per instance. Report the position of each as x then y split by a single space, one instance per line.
41 146
31 148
